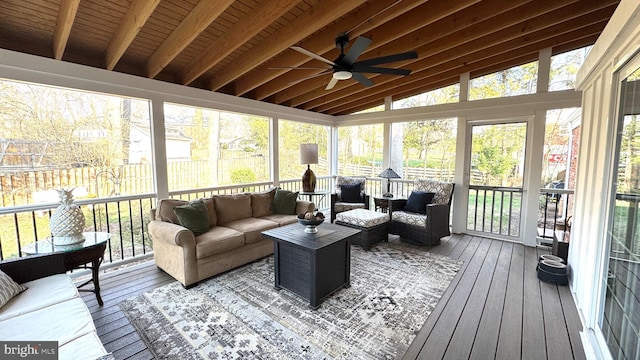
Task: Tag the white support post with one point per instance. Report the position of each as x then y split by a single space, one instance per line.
544 70
386 133
464 87
274 151
461 179
159 149
532 176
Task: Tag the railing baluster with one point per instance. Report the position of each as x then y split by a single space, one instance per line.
133 245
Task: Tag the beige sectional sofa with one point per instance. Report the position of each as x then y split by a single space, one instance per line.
233 238
50 309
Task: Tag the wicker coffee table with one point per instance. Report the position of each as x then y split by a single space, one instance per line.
313 266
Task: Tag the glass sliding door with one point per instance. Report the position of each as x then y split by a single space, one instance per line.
620 321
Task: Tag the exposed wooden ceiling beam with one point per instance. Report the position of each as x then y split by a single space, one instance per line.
369 16
512 25
202 15
318 16
478 64
470 17
66 16
134 19
265 13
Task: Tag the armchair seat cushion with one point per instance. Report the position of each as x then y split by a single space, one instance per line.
409 218
345 206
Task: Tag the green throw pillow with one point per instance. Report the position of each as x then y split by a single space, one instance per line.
284 202
193 216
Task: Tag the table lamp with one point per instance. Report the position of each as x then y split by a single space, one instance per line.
389 174
308 155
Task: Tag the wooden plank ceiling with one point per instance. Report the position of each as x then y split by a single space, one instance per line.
237 47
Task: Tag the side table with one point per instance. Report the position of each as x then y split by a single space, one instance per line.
311 194
77 256
382 203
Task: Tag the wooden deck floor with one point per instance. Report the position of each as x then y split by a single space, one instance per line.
494 308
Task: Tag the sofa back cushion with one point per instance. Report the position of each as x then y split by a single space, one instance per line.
232 207
261 203
164 210
213 218
442 190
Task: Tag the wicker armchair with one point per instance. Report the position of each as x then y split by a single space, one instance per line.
337 205
424 229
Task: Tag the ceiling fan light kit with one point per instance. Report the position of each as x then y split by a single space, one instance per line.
342 75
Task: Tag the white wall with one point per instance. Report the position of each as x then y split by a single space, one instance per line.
587 254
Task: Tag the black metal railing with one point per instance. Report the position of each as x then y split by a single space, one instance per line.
555 208
495 210
124 217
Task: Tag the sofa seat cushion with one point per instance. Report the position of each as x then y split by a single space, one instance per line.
345 206
218 240
85 347
252 228
40 293
409 218
281 219
61 322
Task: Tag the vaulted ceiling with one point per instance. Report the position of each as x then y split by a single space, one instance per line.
240 47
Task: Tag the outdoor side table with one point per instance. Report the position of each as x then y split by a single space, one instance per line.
77 256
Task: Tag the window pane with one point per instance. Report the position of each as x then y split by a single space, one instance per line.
564 68
515 81
445 95
428 149
54 137
291 135
207 148
360 150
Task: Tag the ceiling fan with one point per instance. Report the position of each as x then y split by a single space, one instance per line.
346 67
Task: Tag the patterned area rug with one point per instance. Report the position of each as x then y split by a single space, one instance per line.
239 314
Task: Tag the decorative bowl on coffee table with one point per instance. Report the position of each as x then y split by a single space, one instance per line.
310 225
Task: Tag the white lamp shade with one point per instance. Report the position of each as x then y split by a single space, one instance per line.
308 153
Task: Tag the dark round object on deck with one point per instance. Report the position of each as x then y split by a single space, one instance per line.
551 257
554 267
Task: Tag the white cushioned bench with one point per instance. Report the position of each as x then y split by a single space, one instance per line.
374 225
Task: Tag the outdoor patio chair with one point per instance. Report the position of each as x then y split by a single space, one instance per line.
349 194
428 226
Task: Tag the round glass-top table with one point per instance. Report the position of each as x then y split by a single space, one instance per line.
85 255
91 239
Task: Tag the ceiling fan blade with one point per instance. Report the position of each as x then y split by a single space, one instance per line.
379 70
297 68
387 59
356 49
310 77
362 79
313 55
331 83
